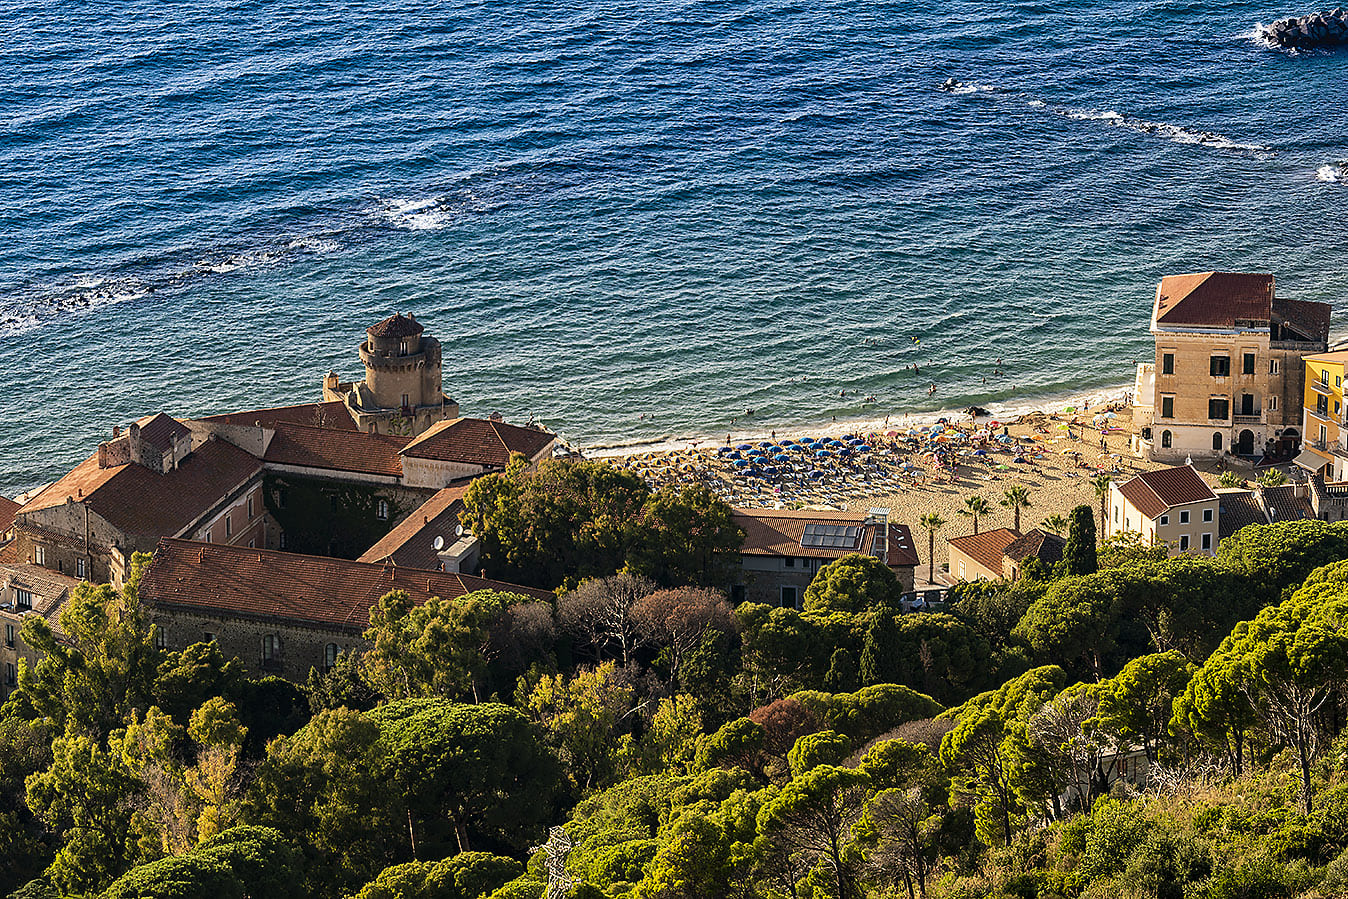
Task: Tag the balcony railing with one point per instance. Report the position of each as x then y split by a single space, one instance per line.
1320 387
1247 419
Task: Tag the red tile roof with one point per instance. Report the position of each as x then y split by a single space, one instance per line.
1214 299
411 543
478 441
332 415
1312 319
161 431
7 509
313 591
778 532
1152 492
396 325
1047 548
336 450
146 503
986 547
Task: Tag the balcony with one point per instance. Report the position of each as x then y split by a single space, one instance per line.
1254 419
1320 387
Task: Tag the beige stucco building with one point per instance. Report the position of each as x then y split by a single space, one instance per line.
401 393
1174 506
1227 374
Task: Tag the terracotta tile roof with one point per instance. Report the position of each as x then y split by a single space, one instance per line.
336 450
331 415
146 503
986 547
314 591
478 441
50 589
1214 299
1152 492
7 509
396 325
1238 508
1312 319
411 543
161 431
1283 503
1048 548
778 532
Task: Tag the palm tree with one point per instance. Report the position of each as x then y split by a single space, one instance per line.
975 506
1054 524
1102 482
1016 498
933 523
1230 479
1273 477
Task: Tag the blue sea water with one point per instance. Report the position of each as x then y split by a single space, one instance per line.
633 221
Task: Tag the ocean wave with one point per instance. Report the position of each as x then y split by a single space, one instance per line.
1333 173
1176 133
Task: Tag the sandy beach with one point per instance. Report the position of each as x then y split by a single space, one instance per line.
913 470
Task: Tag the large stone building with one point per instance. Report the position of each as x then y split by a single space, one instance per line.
282 613
1227 375
401 393
26 590
784 549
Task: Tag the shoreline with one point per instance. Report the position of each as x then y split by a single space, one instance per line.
1004 413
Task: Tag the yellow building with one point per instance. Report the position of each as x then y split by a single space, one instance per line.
1325 450
1227 372
1174 506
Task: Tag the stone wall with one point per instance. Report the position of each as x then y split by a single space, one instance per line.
298 648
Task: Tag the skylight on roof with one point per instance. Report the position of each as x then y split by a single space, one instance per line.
830 536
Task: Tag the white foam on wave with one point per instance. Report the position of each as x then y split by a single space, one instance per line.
316 245
1165 130
417 215
82 294
973 89
1336 173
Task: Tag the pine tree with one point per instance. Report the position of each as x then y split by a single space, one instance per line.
1078 556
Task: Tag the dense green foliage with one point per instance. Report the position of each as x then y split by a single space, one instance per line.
1128 726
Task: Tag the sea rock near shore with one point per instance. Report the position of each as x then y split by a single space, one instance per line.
1316 31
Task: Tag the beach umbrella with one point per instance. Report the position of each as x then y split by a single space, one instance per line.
821 453
787 442
744 446
725 451
845 453
741 463
1070 410
799 448
765 444
816 474
1111 415
754 453
781 457
864 448
770 469
1063 428
979 452
994 424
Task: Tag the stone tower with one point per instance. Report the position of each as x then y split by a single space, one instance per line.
401 393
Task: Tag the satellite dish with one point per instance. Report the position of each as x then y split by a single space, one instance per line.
458 530
439 543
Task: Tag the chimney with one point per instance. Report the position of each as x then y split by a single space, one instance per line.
103 452
116 431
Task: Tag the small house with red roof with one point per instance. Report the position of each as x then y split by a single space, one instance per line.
1174 506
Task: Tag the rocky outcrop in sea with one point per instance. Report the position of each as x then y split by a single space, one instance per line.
1312 32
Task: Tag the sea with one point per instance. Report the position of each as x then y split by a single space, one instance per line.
635 222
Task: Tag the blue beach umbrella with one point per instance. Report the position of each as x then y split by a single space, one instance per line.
863 447
821 453
781 457
745 446
816 474
741 463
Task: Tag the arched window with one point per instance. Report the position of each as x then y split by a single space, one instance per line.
1165 439
330 655
1217 441
271 647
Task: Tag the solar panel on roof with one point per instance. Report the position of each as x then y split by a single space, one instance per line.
830 536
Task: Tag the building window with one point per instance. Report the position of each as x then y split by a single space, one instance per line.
1116 514
381 510
40 554
1324 437
81 571
1273 366
1338 380
407 401
1337 407
330 655
1207 541
1322 406
1217 441
737 592
1127 523
1167 363
1247 364
1220 366
1218 408
1272 403
1207 515
250 508
402 348
789 597
961 569
229 526
160 639
208 637
1324 378
281 540
1163 520
271 648
1184 541
1167 407
1184 516
23 599
11 676
9 635
789 562
281 498
1165 439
